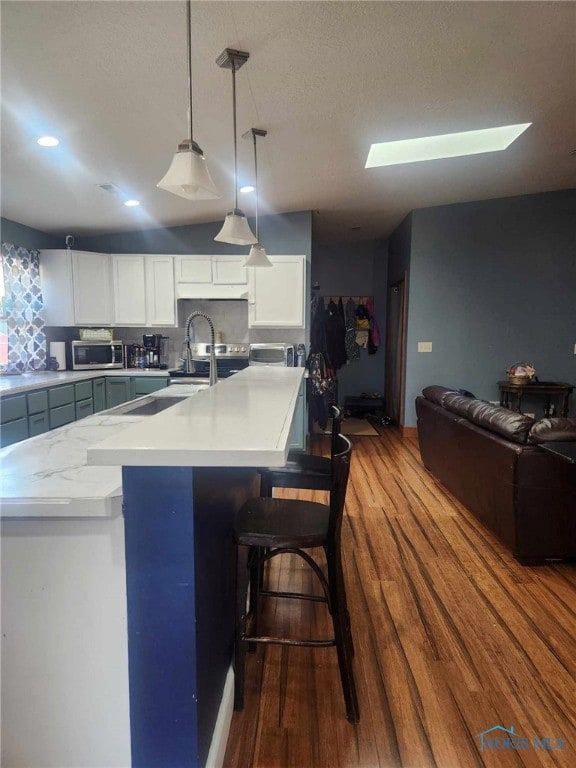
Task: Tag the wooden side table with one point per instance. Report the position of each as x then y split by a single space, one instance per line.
547 388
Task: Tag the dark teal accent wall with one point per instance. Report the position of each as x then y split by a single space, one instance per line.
289 233
356 269
492 283
26 237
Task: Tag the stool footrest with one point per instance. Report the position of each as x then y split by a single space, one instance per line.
294 595
286 641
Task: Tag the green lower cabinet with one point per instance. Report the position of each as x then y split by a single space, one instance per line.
84 408
144 386
14 431
38 423
64 414
99 394
298 432
118 390
12 408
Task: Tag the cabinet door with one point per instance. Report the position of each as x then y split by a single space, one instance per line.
38 423
57 289
276 295
145 385
129 290
228 270
99 394
160 297
84 408
193 269
118 391
91 278
14 431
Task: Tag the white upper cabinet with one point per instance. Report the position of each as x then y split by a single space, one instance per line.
91 276
143 290
129 280
193 269
76 287
228 270
211 277
276 295
160 297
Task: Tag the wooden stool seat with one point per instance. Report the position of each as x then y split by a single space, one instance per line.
264 522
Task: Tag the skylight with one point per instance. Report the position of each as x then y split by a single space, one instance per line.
446 145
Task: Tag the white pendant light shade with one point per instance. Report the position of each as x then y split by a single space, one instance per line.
188 176
257 257
235 229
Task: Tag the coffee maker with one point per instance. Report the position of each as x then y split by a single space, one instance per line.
155 350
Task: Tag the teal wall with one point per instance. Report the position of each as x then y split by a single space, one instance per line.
491 283
289 233
356 269
26 237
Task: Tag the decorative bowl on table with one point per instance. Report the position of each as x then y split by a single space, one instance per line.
521 373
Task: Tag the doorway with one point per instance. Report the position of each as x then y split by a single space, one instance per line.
396 351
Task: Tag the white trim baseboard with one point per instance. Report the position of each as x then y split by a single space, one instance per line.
222 727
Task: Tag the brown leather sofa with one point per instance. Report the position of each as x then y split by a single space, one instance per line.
488 457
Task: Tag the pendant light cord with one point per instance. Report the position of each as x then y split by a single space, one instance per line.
189 24
256 181
234 122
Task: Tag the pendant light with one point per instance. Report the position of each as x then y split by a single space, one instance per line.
257 256
188 175
235 229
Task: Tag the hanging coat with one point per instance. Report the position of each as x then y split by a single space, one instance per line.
335 333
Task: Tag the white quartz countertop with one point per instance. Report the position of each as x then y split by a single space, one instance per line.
48 475
27 382
243 421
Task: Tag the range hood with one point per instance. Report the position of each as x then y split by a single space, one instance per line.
210 291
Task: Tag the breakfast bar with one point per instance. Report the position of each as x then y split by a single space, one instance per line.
159 597
185 473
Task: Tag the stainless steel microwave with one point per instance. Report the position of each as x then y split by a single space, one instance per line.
272 353
91 355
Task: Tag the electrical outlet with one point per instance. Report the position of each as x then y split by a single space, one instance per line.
575 349
424 346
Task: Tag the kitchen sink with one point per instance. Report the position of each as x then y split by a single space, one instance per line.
147 407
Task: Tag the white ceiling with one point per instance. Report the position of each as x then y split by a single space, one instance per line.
326 79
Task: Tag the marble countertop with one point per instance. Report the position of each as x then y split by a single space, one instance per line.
48 475
243 421
27 382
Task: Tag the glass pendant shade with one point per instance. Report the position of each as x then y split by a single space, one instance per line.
188 176
257 257
235 229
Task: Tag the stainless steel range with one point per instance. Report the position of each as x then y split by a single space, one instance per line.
230 358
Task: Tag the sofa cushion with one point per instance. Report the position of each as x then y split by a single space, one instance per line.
511 425
548 430
435 393
457 403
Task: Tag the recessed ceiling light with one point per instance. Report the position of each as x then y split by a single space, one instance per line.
447 145
48 141
132 203
247 188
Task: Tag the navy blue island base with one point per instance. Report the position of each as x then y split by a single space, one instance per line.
180 580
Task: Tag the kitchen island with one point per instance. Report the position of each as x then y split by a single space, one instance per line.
153 689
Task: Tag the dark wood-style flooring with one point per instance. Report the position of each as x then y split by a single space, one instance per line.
452 637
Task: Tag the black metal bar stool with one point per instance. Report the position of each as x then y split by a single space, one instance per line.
303 470
265 528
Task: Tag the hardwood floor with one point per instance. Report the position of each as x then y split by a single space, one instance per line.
452 637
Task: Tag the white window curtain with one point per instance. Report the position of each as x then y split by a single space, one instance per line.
22 315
